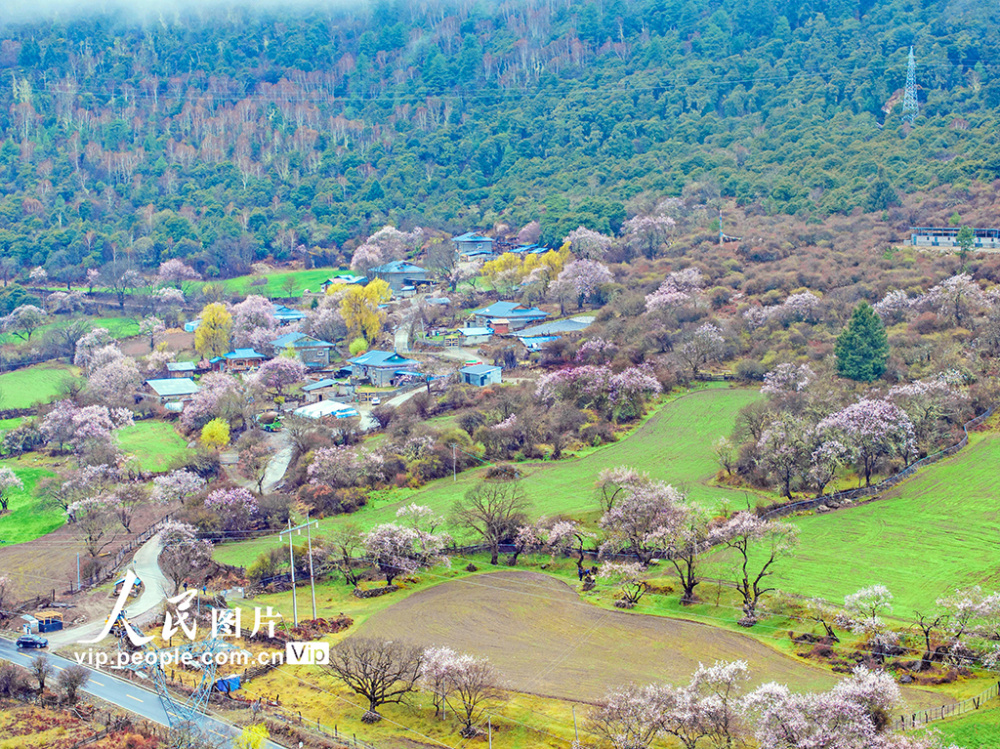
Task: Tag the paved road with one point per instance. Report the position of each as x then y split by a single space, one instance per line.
131 697
157 587
278 463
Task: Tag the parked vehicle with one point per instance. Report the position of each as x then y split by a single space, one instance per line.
376 400
32 641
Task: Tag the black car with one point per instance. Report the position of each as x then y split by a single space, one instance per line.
32 641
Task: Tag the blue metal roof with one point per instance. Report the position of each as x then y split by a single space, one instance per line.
398 266
244 353
381 359
471 236
510 309
299 340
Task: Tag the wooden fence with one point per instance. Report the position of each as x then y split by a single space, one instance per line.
923 717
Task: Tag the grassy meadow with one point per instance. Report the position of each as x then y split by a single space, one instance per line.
674 444
924 538
156 444
274 288
28 517
118 327
41 383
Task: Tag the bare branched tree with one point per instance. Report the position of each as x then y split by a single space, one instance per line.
494 509
382 671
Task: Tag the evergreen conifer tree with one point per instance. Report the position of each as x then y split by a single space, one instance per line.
862 348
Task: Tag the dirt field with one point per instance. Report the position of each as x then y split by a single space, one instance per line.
546 641
49 563
177 340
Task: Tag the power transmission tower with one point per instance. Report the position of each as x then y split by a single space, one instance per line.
910 107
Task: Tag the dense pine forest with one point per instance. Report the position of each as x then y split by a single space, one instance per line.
226 135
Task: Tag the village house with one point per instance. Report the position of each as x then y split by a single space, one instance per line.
172 393
286 315
312 352
347 279
180 368
471 245
535 336
481 375
240 360
381 368
401 276
322 390
327 410
505 317
473 336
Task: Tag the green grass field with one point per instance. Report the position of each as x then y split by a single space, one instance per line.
118 327
155 443
978 730
7 424
675 445
304 279
28 518
935 532
39 384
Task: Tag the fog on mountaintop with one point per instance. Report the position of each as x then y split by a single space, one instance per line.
23 10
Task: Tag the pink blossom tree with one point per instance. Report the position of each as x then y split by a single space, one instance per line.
705 345
366 257
153 327
787 379
757 545
176 486
392 550
955 299
86 346
24 321
648 234
784 451
236 508
588 244
872 429
681 288
115 383
253 322
894 307
9 482
279 374
176 272
584 278
642 521
220 394
183 554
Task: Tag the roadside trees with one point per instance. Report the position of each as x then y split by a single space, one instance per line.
381 671
72 679
183 553
41 668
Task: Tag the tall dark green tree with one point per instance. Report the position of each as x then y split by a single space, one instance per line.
966 240
862 348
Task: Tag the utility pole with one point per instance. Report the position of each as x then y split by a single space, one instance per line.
312 580
291 561
454 465
78 570
910 106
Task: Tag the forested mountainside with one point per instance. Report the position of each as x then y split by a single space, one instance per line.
225 134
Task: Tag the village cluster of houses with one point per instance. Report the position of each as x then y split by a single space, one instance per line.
330 384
